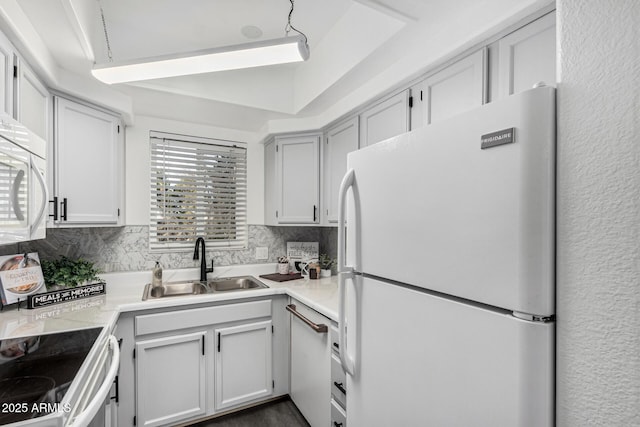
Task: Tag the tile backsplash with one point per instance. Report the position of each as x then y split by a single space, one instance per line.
127 248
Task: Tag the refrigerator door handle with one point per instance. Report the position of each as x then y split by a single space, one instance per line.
347 360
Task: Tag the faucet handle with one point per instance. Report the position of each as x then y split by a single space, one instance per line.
210 270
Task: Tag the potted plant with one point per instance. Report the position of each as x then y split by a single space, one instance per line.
283 265
68 273
326 263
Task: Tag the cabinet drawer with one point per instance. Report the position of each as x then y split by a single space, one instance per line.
335 346
338 415
174 320
338 381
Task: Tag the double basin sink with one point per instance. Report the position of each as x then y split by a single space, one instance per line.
226 284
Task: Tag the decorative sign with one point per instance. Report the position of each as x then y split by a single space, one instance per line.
494 139
301 252
64 295
20 277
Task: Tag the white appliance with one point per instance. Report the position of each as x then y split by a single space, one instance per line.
23 190
447 287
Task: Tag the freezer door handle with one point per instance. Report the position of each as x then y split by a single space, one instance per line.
345 273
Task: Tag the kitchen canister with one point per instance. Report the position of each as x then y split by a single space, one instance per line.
283 268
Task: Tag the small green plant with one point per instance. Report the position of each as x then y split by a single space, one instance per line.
326 262
68 272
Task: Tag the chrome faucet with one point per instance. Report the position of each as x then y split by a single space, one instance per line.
203 259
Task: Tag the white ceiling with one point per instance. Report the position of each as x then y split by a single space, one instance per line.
356 45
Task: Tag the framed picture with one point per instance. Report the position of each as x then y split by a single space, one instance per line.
20 276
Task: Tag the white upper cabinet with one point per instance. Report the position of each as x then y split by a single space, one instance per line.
270 202
33 102
88 165
528 56
7 53
453 90
340 140
298 179
385 119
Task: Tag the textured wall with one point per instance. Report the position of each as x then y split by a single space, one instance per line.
127 248
598 259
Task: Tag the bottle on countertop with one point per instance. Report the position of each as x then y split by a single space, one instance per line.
156 280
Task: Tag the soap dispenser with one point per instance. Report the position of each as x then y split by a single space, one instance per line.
157 275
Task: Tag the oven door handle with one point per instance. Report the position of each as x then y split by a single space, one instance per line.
84 418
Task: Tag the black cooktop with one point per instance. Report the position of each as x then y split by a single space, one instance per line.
36 372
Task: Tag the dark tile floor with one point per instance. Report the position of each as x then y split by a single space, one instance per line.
282 413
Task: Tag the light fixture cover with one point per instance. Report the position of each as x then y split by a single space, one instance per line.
254 54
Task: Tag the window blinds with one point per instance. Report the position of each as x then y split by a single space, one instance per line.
198 188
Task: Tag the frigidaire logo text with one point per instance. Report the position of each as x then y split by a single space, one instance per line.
494 139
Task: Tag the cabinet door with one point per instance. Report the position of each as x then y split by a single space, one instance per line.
385 120
455 89
270 203
6 75
87 167
297 169
528 56
33 102
243 364
170 379
340 141
311 368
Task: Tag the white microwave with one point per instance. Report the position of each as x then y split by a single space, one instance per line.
23 188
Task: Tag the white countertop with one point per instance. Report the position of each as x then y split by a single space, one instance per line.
124 294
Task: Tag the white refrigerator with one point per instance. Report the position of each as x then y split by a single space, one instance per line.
446 266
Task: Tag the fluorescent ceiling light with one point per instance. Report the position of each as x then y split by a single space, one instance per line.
254 54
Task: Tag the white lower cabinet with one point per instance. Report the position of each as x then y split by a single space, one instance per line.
190 364
171 377
338 415
311 365
243 364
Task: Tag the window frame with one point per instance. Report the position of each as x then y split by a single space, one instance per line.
196 155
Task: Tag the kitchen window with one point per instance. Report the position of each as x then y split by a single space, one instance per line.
198 188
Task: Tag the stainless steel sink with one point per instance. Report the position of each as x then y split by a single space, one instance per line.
174 290
225 284
239 283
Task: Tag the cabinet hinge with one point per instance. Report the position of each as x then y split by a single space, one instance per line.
411 102
15 71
